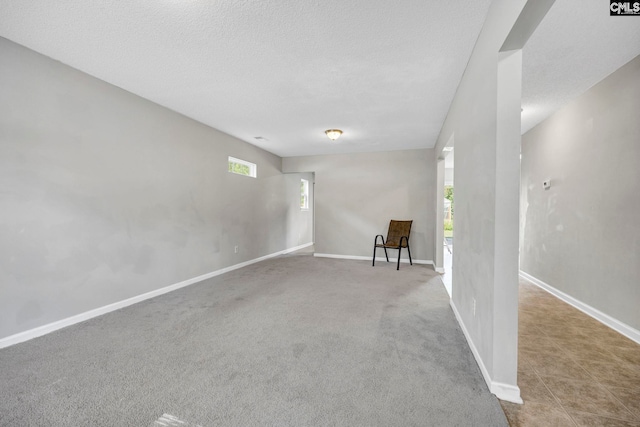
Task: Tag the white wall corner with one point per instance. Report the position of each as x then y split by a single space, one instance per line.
507 392
287 251
605 319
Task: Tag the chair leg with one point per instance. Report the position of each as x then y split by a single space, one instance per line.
374 255
410 261
399 250
386 254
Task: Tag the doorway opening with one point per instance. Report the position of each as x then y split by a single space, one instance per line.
449 212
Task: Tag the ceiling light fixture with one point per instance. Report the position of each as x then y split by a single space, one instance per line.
333 134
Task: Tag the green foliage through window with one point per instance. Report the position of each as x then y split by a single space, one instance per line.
239 168
448 211
304 194
448 194
242 167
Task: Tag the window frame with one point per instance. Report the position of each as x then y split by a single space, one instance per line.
304 194
253 168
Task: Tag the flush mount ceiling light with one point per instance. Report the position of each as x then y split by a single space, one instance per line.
333 134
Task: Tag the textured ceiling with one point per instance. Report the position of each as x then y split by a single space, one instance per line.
575 46
383 71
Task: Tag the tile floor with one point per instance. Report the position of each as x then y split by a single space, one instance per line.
572 370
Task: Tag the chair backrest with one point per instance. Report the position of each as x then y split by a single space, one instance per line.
397 229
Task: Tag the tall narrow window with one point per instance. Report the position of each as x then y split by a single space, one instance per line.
304 194
242 167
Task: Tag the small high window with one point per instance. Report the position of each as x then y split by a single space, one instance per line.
304 194
242 167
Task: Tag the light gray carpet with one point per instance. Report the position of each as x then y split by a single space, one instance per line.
292 341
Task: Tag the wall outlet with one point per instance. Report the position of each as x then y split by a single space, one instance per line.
235 250
474 307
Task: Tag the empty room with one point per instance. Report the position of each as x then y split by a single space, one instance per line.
242 213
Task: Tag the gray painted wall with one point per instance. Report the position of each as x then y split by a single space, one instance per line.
105 195
483 121
582 236
357 194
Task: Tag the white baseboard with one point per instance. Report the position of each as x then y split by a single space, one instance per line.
54 326
605 319
378 259
286 251
439 270
508 392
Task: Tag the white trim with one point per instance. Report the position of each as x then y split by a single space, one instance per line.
54 326
378 259
507 392
253 168
287 251
605 319
439 270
